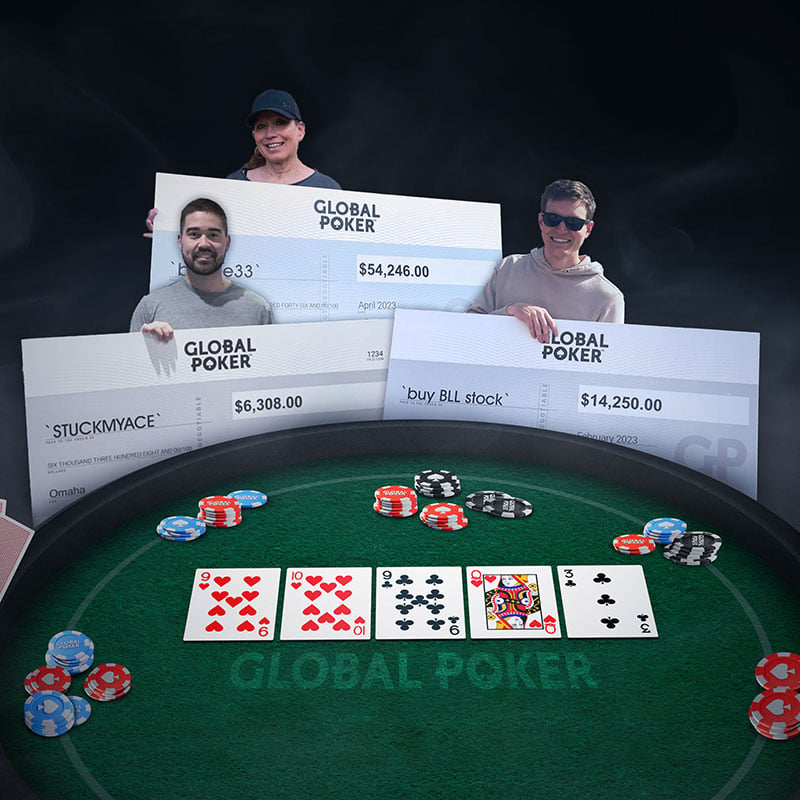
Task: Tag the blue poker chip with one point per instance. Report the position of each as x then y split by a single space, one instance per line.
181 528
664 530
249 498
49 713
72 650
82 708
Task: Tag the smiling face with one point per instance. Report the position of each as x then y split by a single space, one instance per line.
203 242
276 137
561 245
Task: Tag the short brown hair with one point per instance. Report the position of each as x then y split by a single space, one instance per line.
209 206
564 188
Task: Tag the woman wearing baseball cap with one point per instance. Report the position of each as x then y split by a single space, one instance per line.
277 130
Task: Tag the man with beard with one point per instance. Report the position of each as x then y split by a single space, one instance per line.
204 299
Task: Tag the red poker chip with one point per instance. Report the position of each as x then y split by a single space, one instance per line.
779 671
108 682
395 493
214 502
56 679
634 544
443 509
398 513
776 710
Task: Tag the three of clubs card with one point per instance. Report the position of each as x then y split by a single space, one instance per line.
512 602
232 605
327 603
419 603
606 601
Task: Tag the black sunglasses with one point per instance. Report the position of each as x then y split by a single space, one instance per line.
554 220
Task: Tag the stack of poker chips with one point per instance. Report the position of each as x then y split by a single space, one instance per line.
664 530
55 679
219 511
49 713
444 517
108 682
437 483
634 544
71 650
694 548
395 501
499 504
181 529
775 712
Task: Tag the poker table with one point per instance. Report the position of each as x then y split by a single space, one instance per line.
650 718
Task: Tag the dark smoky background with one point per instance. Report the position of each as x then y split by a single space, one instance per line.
683 124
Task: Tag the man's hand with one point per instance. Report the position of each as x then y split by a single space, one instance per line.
535 318
161 330
148 223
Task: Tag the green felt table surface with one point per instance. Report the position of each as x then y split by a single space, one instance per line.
601 718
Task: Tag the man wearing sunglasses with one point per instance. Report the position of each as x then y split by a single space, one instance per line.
555 280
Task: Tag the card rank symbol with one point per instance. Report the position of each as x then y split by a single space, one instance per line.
643 617
453 620
606 600
570 582
610 622
602 578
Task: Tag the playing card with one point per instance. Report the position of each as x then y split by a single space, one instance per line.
327 603
606 601
512 602
419 603
232 605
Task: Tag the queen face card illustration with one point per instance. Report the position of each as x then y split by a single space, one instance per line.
322 603
419 603
232 605
606 602
512 603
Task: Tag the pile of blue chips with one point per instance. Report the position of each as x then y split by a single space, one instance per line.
181 529
50 713
665 530
71 650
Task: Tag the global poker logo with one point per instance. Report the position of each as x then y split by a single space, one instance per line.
219 354
344 216
575 346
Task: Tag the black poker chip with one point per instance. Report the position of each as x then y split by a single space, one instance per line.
477 500
509 508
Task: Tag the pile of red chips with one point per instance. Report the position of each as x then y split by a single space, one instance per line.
395 501
444 516
219 511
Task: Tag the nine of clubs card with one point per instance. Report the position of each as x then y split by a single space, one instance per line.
232 605
512 602
606 602
327 603
419 603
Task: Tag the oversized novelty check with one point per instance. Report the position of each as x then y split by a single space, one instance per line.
326 254
686 395
100 407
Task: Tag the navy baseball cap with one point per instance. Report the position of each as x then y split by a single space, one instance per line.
274 100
